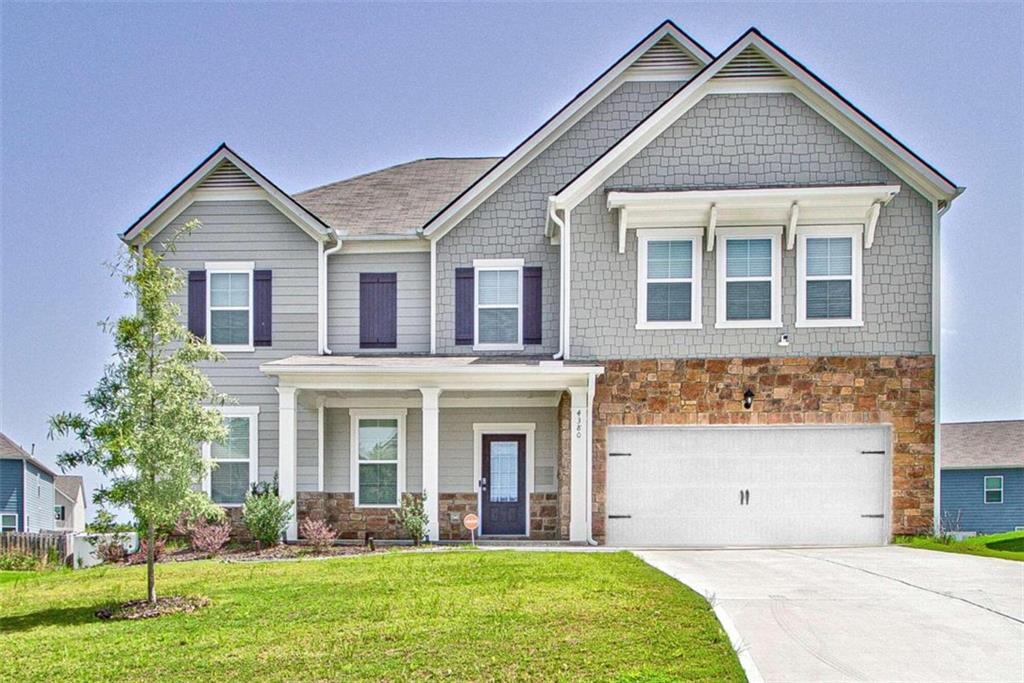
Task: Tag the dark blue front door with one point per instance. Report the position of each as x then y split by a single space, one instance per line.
503 485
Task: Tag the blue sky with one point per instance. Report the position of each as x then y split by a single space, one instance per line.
106 106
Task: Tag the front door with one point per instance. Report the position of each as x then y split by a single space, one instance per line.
503 485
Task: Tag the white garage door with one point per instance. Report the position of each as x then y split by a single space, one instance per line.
747 486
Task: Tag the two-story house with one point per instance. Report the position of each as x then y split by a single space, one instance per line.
697 306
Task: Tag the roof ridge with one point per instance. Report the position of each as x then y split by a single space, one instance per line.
390 168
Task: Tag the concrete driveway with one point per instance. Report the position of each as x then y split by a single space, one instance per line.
862 614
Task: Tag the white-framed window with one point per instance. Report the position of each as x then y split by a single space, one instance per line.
993 490
377 457
237 459
58 513
229 305
828 276
8 522
498 304
748 277
668 279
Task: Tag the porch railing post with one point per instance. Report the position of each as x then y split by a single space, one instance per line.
431 484
579 427
287 447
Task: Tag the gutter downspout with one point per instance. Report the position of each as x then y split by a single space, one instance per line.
324 253
553 215
937 214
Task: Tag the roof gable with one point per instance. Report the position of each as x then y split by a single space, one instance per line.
755 64
69 486
226 176
671 59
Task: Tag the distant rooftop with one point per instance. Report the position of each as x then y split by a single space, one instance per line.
397 200
998 443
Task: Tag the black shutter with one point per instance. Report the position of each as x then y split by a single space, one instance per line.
378 310
262 297
532 306
463 306
197 303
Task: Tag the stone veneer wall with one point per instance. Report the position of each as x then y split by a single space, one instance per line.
894 390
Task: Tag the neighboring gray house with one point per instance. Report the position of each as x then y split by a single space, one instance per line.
983 476
69 503
26 490
697 306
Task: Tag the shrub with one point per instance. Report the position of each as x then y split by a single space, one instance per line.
265 515
111 551
210 537
318 533
413 517
140 556
18 562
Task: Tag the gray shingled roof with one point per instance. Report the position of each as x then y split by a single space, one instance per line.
393 201
983 444
68 484
10 449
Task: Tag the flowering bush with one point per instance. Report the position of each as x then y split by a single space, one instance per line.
112 551
210 537
140 557
318 533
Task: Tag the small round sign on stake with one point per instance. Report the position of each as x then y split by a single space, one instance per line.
471 522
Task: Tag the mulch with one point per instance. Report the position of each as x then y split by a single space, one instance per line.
143 609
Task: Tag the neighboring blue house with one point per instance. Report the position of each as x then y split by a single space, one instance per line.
983 476
26 490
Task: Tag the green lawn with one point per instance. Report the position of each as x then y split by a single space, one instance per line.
1009 546
457 615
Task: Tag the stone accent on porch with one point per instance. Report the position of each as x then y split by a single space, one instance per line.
453 508
544 524
351 522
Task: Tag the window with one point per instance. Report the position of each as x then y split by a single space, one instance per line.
499 303
8 522
669 279
235 459
377 457
229 305
749 272
58 513
993 490
828 277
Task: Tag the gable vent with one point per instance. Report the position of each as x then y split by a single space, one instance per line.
665 57
750 63
227 176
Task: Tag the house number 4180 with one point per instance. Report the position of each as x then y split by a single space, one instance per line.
579 424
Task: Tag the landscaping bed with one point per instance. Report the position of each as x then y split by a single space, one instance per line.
1008 546
461 614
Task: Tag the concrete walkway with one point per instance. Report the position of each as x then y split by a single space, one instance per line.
862 614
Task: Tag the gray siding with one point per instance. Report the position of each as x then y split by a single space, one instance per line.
760 140
511 222
12 488
38 500
338 451
962 493
456 444
256 231
413 271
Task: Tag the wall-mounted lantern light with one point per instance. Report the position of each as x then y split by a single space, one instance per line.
748 398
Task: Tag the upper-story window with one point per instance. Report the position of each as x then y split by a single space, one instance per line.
229 306
498 308
669 279
749 278
235 458
829 277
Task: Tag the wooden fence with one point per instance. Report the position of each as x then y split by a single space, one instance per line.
44 546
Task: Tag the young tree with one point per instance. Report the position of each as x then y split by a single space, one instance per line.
147 418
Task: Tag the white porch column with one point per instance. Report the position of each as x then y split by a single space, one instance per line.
431 486
286 452
579 428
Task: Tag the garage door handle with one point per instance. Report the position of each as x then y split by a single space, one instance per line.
744 496
872 452
620 516
874 516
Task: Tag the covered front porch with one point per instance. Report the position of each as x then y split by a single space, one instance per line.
508 440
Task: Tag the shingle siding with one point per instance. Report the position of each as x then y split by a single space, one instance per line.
38 500
413 270
752 140
962 493
12 488
511 222
256 231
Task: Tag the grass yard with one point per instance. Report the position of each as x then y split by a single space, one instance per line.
457 615
1008 546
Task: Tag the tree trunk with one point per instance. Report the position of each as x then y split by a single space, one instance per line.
151 563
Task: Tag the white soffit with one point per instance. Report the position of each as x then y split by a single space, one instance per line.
553 128
794 208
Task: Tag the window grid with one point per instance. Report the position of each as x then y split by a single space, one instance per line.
829 278
669 264
993 490
229 481
229 308
498 310
748 267
377 454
